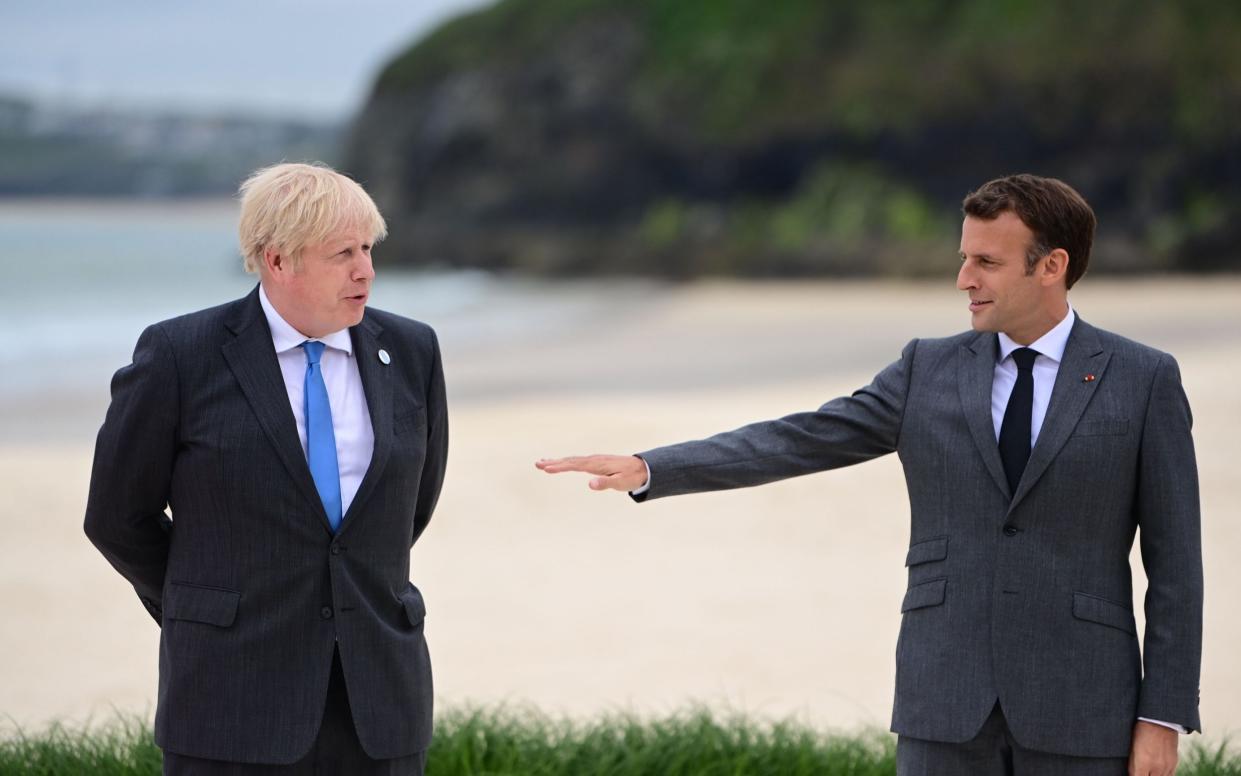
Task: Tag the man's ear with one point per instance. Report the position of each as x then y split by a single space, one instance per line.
275 264
1055 267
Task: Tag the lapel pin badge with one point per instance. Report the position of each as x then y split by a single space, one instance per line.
1086 379
385 359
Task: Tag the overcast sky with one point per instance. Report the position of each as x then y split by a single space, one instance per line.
303 58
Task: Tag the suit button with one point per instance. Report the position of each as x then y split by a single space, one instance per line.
326 612
1011 530
337 549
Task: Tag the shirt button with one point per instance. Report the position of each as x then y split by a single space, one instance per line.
326 612
1011 530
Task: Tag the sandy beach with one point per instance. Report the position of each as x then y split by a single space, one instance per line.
782 600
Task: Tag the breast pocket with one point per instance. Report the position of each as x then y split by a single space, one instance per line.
1102 427
410 421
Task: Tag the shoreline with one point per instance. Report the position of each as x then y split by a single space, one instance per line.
540 591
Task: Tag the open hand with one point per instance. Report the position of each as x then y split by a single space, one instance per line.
1154 750
615 472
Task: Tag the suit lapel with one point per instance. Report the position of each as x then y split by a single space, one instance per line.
252 358
377 380
976 371
1071 393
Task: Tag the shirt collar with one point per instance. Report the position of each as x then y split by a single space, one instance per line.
1051 344
286 338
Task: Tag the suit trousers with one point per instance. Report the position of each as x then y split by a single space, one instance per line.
993 752
336 750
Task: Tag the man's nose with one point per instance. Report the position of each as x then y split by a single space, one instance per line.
965 278
365 269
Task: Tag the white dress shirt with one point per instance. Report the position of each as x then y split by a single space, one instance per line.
351 420
1050 349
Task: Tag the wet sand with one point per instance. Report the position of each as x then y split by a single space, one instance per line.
781 600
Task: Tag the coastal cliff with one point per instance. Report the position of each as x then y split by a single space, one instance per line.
681 138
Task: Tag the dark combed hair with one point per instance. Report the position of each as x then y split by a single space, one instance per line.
1057 215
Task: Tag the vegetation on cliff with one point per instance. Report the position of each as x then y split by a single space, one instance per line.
686 137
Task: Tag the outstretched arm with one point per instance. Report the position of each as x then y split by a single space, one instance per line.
844 431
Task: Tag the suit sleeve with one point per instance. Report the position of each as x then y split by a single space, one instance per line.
437 444
1171 544
845 431
132 469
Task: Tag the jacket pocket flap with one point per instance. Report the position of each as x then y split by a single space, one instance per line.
211 605
1105 427
925 552
926 594
1104 612
415 607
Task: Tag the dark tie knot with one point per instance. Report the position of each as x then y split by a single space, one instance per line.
1024 358
314 351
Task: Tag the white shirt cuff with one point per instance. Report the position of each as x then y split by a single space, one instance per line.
646 485
1178 728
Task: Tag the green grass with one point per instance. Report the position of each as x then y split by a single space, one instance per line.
523 741
122 747
507 742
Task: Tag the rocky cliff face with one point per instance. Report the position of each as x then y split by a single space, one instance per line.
725 136
497 165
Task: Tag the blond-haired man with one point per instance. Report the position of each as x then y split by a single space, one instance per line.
298 439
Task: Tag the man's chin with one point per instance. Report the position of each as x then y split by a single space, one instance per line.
980 322
342 322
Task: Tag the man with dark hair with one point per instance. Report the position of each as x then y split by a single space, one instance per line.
1056 215
1034 448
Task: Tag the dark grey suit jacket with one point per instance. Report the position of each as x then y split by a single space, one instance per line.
251 587
1022 597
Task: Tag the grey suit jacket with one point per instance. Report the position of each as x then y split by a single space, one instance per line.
1022 597
252 589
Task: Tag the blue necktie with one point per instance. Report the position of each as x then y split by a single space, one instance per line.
320 438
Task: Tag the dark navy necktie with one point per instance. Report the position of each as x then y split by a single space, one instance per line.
320 436
1015 428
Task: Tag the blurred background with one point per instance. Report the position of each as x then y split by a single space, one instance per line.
631 223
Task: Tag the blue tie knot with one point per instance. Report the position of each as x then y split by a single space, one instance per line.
314 351
1024 357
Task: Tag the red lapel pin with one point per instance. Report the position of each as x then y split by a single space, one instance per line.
1088 379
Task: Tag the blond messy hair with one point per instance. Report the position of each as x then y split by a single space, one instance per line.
289 206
